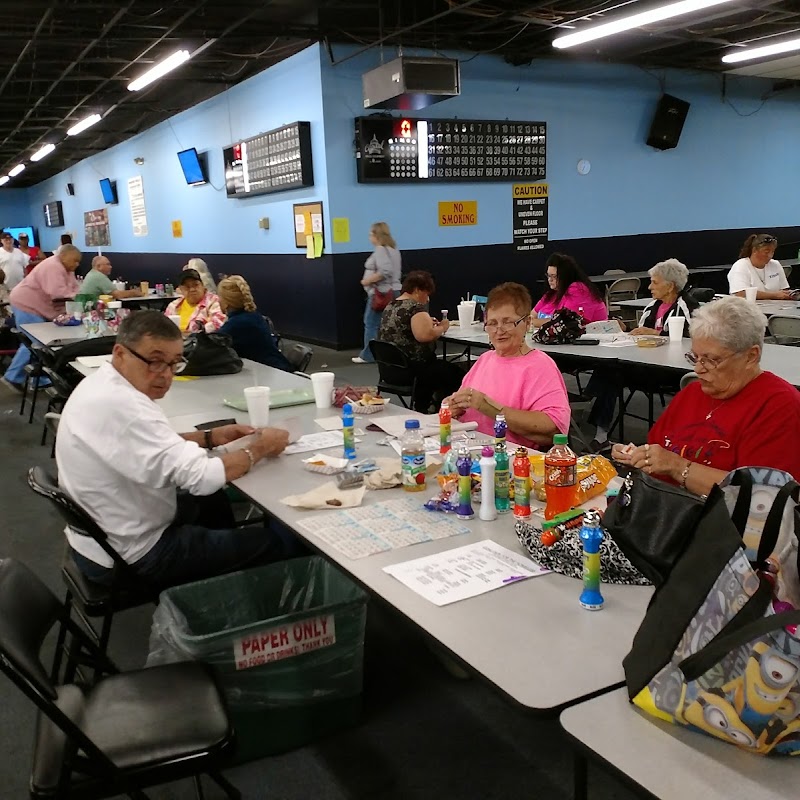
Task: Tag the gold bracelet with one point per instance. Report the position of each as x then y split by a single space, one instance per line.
685 474
251 457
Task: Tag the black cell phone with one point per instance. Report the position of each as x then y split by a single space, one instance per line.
63 342
217 423
586 341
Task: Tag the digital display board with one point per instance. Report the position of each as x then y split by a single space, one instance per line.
270 162
53 214
398 150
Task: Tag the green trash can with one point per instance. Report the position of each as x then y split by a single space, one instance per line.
287 640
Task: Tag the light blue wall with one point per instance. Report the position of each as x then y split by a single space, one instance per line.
212 223
729 170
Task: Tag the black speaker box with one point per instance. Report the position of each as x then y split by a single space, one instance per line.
665 130
70 189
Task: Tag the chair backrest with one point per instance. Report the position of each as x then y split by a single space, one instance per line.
394 366
614 272
299 356
99 346
480 298
786 330
688 378
624 286
787 270
275 335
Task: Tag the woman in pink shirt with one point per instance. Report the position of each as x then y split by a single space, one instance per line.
569 287
40 297
513 379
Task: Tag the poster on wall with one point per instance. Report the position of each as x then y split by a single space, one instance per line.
530 215
95 228
138 211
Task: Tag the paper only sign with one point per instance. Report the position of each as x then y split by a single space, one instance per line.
284 641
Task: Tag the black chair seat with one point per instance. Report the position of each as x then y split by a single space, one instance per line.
140 720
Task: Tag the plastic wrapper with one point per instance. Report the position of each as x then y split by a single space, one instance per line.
284 635
593 476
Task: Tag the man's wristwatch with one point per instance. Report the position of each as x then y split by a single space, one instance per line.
209 443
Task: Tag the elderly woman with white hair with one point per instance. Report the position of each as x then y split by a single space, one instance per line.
734 415
668 280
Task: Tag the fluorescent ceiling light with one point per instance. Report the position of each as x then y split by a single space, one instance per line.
16 171
159 70
759 52
83 125
45 151
635 21
4 180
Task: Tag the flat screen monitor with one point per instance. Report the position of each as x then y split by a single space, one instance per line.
193 166
109 190
53 214
15 232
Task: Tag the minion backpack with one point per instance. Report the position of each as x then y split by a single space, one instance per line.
719 647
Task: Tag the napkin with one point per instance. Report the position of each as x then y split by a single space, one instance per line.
322 495
388 474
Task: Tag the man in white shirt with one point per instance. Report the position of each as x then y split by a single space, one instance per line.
12 260
757 269
120 460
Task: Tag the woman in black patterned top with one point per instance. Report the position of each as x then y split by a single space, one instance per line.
407 324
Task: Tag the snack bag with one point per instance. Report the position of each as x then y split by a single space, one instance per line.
594 475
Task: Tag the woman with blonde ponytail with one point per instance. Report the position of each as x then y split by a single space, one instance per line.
248 330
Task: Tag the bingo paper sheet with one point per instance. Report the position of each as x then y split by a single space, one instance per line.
376 528
464 572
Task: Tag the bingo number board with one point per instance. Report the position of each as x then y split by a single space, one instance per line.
393 150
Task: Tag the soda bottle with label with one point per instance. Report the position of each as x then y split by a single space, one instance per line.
560 469
445 427
522 484
412 456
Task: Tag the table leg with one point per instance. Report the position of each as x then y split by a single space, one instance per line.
579 777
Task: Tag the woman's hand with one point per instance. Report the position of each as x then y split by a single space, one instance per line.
645 332
441 326
654 459
621 453
783 294
467 397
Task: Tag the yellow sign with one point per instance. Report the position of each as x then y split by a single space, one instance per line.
530 190
341 230
177 229
458 212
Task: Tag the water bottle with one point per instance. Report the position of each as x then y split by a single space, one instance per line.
348 431
591 536
464 468
445 428
412 456
560 470
488 511
169 290
522 484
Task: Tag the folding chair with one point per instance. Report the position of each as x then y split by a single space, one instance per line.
784 329
124 733
395 373
622 289
299 356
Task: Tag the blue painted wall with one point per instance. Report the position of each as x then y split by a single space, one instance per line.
730 170
212 223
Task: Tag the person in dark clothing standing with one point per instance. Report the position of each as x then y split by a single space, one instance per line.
249 331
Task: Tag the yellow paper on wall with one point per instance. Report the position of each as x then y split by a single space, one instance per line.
177 229
317 245
341 230
310 246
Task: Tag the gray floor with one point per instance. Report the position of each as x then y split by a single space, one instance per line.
424 734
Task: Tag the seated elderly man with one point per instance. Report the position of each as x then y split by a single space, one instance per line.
120 460
97 281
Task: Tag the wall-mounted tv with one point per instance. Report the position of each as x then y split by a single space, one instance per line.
16 231
53 214
109 190
194 166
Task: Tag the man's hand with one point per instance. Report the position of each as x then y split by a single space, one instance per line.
272 441
229 433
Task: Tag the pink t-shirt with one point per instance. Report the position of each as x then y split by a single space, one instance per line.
577 296
38 291
529 383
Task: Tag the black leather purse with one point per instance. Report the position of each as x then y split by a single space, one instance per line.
210 354
653 522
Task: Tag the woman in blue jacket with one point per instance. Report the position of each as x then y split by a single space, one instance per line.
249 331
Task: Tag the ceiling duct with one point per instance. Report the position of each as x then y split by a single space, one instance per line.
409 83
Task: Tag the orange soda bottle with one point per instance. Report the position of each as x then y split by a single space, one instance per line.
560 471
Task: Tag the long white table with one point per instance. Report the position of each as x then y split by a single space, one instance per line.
46 332
786 308
645 274
669 761
530 639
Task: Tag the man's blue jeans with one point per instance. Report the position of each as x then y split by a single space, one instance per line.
16 369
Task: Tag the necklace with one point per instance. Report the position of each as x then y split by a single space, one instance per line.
711 413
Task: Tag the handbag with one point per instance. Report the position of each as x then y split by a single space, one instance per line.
210 354
564 327
716 651
380 300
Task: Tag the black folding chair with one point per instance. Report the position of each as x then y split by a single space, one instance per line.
395 373
87 598
125 733
299 356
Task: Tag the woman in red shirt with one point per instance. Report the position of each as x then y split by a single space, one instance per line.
735 415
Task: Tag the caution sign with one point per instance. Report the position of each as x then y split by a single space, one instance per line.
284 641
530 215
461 212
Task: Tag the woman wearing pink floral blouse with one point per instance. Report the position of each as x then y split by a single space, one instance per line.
198 309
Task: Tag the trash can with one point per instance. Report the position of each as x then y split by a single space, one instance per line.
287 640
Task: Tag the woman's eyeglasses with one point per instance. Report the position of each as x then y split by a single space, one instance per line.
157 366
706 362
504 326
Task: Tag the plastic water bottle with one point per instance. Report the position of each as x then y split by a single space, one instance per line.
591 536
560 470
412 456
445 427
464 468
522 484
348 431
488 511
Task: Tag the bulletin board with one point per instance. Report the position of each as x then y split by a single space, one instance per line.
307 222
